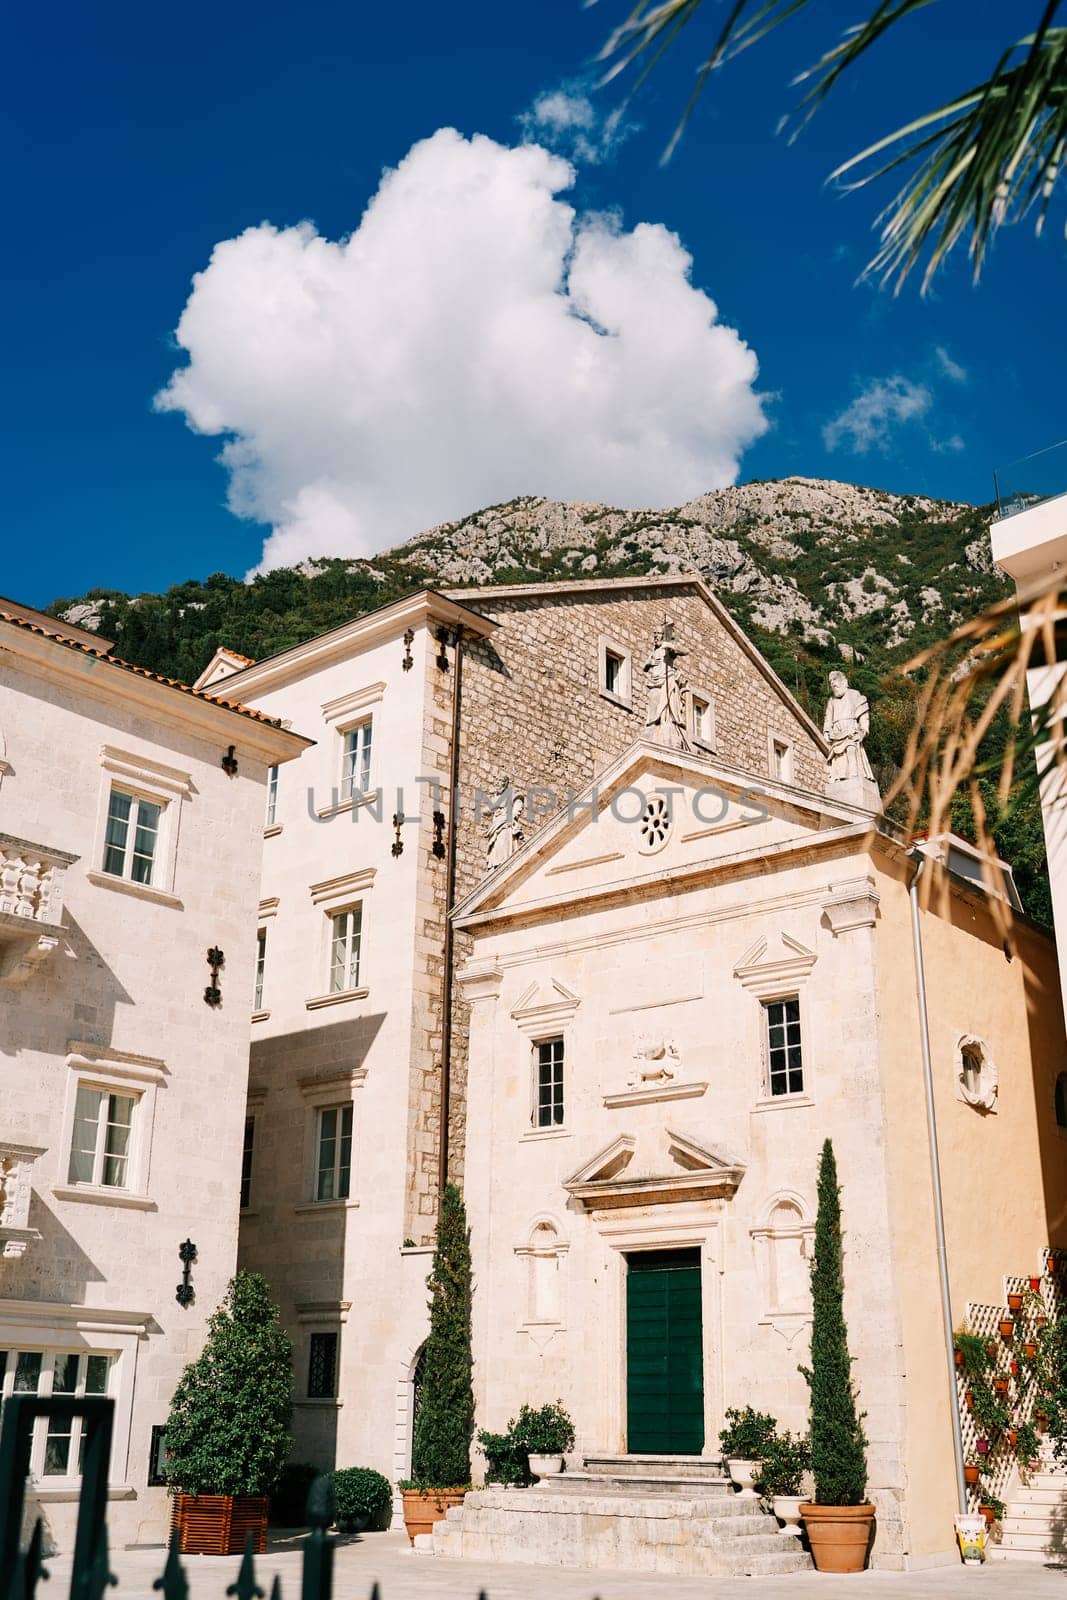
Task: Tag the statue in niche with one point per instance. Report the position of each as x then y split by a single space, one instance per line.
504 834
665 715
845 726
655 1061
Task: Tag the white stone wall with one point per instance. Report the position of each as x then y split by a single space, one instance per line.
120 1001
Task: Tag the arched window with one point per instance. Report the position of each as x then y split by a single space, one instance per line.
1061 1100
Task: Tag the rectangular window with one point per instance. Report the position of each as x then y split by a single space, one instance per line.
322 1366
333 1172
246 1162
702 720
613 671
132 837
100 1145
355 773
785 1070
58 1445
781 760
346 936
549 1109
272 796
261 965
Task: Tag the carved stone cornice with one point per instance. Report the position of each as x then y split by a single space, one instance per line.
851 905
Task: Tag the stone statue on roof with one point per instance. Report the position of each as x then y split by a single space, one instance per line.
845 727
665 713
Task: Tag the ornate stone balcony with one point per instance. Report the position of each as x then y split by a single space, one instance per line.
16 1167
31 905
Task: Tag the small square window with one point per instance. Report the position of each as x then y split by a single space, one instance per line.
548 1108
785 1067
322 1366
131 839
100 1144
355 770
345 940
333 1164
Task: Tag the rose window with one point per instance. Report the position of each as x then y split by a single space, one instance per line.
655 823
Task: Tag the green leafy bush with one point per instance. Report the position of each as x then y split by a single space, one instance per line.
747 1434
785 1459
838 1443
546 1431
444 1427
362 1496
506 1461
227 1432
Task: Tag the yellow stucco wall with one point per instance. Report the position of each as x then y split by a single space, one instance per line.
1004 1175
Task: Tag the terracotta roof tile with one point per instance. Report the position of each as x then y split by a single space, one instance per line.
142 672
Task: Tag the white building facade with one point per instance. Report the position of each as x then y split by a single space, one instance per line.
130 837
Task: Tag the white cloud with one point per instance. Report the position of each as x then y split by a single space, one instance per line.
473 339
566 120
878 410
950 369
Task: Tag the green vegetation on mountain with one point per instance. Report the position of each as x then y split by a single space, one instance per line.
816 572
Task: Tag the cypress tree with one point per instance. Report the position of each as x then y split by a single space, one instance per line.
228 1429
441 1448
838 1443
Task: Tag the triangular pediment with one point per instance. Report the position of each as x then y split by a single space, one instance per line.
546 1003
653 816
773 961
660 1169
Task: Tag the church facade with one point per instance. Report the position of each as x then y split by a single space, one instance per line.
678 992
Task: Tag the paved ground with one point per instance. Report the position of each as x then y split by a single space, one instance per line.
385 1558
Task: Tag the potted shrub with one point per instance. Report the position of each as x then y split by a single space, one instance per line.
545 1435
227 1433
838 1521
440 1450
363 1498
743 1440
786 1458
505 1460
992 1509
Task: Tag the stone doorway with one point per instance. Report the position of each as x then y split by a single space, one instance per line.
664 1353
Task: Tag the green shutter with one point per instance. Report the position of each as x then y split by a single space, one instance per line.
664 1354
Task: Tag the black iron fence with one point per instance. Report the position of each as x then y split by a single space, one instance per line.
21 1568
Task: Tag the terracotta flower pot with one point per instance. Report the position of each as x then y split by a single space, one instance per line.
1000 1386
1030 1350
839 1536
960 1360
989 1514
1013 1368
1041 1322
982 1447
424 1507
219 1524
1015 1302
1013 1437
1035 1285
1007 1327
970 1473
991 1351
969 1400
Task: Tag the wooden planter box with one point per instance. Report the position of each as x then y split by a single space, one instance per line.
219 1524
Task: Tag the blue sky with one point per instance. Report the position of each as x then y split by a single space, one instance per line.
141 137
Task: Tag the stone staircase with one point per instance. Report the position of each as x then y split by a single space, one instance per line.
666 1514
1034 1527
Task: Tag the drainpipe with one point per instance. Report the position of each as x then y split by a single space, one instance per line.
935 1181
450 900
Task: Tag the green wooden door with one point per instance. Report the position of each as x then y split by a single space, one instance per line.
664 1354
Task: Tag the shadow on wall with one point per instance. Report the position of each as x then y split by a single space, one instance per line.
1044 1015
54 1267
300 1246
73 996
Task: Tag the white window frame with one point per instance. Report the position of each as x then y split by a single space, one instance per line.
134 824
701 723
142 779
113 1072
623 696
101 1125
362 731
351 940
536 1124
325 1094
777 742
261 970
77 1330
334 896
271 810
45 1388
765 1003
339 1110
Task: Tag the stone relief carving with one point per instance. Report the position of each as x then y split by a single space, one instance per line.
656 1060
976 1073
16 1168
504 834
665 713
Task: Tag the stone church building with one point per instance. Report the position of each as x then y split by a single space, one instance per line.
623 1008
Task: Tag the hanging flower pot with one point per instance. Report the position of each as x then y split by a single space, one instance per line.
991 1351
1029 1351
1015 1302
1041 1322
1040 1418
989 1514
970 1473
960 1359
982 1447
1000 1387
1013 1437
969 1398
1035 1285
1007 1328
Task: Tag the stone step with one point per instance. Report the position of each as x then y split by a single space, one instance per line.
632 1483
1016 1524
1041 1497
1054 1481
1033 1539
655 1466
769 1566
998 1552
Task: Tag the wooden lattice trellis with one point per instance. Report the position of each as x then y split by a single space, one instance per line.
999 1468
